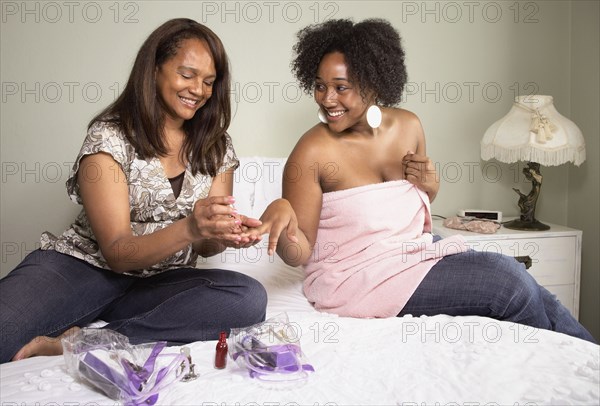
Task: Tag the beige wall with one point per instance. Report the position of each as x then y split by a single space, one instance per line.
61 62
584 193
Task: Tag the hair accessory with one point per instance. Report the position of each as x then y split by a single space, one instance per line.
374 116
322 117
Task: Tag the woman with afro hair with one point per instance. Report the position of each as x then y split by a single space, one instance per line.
360 184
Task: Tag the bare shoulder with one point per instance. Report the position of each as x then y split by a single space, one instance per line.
405 130
312 146
407 119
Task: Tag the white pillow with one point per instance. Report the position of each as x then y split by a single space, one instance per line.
257 182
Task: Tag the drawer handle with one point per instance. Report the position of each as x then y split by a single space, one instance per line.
525 260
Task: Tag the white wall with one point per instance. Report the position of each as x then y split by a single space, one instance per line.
62 62
584 193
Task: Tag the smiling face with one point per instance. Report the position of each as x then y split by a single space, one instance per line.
185 81
337 96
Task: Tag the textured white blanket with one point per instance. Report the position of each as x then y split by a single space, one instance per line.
407 361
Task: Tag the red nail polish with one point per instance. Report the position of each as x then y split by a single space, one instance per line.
221 351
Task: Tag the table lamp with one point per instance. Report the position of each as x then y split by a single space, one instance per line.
535 132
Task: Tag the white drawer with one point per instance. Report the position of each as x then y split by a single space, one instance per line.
564 293
552 259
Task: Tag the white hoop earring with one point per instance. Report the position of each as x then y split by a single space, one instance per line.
322 117
374 116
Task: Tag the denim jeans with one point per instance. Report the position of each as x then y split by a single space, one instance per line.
491 285
49 292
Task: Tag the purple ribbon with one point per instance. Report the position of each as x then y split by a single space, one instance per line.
132 383
272 359
138 376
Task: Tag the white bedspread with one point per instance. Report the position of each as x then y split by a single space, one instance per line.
437 360
407 361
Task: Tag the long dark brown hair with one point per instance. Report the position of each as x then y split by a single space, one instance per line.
139 113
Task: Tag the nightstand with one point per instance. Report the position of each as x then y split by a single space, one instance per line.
555 255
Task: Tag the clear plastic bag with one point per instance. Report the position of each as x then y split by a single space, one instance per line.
270 351
133 374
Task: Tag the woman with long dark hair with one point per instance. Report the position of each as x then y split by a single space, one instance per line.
155 178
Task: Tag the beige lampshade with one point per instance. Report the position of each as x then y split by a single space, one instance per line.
534 131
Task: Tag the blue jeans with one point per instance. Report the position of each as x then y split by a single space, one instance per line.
491 285
50 292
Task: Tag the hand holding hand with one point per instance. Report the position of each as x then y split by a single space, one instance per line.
216 218
248 235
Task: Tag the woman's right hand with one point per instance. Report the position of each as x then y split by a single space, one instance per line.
215 218
215 225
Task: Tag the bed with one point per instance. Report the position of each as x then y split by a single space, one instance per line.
437 360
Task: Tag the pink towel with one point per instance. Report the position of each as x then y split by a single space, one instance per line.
373 249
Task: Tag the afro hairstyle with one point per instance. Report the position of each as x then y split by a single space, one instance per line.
372 50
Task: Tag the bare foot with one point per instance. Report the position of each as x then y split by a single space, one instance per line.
43 345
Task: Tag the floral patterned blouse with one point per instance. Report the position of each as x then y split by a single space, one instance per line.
151 200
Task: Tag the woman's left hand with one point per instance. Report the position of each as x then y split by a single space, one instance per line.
419 170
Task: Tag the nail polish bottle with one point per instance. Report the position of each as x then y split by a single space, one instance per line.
221 351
